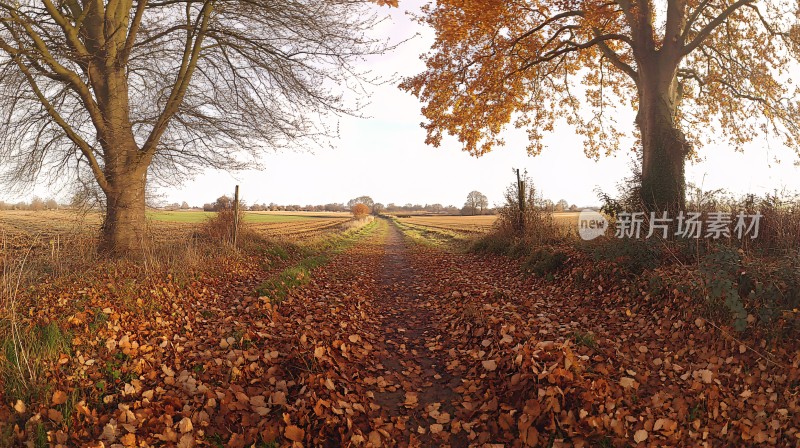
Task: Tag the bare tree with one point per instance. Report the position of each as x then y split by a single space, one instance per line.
366 200
119 91
37 204
476 203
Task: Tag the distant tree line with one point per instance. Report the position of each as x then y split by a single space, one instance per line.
225 201
36 204
476 205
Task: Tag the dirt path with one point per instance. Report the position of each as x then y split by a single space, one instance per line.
413 355
467 351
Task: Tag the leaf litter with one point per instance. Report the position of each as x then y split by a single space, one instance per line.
396 344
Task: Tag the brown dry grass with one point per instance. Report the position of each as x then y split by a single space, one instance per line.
63 242
68 224
478 224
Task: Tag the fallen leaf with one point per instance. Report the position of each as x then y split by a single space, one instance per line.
185 425
294 433
187 441
59 397
128 439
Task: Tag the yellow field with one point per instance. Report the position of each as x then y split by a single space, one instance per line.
306 225
44 229
462 224
567 219
472 225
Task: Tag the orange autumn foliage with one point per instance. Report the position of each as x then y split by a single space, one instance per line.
685 66
359 211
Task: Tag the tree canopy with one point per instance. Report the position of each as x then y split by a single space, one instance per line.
687 66
476 202
360 210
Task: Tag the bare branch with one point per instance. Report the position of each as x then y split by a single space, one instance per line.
712 25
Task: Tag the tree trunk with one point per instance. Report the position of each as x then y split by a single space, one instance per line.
664 147
124 231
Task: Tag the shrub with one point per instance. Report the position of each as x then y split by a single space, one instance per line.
630 255
536 225
780 222
360 211
720 271
518 234
492 243
628 196
221 227
545 261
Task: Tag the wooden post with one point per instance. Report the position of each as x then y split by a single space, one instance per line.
521 201
235 215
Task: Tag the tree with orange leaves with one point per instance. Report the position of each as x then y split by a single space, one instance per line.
687 66
359 211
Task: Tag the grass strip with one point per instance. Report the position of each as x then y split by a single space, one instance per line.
315 255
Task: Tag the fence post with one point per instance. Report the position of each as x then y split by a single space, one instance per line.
235 215
521 202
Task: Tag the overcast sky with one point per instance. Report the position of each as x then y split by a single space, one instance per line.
385 156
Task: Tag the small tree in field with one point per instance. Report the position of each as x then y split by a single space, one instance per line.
359 211
530 219
366 200
37 204
476 203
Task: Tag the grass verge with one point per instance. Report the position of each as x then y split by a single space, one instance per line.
315 255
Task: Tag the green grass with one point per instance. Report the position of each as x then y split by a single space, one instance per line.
215 440
115 374
24 361
697 411
40 436
193 216
278 288
7 435
100 319
585 339
196 216
605 442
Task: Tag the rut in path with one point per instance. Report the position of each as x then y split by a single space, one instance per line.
413 355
